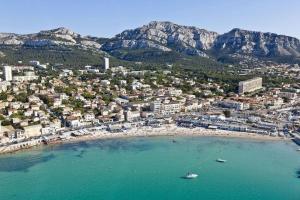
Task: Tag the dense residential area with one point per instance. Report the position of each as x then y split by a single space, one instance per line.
41 103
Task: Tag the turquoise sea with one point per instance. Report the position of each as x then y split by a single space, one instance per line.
151 168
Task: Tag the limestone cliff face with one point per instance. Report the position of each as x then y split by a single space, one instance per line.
55 37
257 43
166 37
194 41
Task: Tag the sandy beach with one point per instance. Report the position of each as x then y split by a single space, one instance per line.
171 130
165 130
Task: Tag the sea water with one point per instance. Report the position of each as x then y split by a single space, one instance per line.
152 168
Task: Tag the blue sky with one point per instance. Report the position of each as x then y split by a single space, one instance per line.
108 17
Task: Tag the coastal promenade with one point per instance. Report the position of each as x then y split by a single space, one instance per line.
21 145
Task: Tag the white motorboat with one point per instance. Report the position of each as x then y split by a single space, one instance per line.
191 176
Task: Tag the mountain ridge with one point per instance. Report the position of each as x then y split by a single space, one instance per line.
165 37
194 41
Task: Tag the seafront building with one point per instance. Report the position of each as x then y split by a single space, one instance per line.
36 106
165 107
250 85
233 105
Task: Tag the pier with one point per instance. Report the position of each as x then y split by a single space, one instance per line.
296 138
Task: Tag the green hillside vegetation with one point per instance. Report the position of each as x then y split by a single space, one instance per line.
68 57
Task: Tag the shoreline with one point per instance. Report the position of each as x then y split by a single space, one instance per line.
170 130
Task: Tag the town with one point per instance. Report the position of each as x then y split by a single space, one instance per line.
41 104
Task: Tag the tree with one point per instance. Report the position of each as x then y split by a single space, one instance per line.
47 100
57 111
23 97
227 113
3 96
88 95
5 123
18 114
2 117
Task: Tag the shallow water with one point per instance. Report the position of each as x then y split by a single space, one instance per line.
151 168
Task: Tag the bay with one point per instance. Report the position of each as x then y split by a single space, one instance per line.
152 168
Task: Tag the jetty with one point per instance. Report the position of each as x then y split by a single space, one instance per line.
296 138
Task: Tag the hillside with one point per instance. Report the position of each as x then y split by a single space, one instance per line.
158 43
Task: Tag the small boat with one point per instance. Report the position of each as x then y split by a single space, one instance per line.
221 160
174 141
298 149
191 176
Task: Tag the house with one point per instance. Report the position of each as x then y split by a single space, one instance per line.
57 102
4 85
66 72
32 131
35 107
174 92
73 122
3 105
104 111
288 95
89 116
112 106
136 85
192 106
123 82
121 101
28 113
7 131
234 105
105 83
132 115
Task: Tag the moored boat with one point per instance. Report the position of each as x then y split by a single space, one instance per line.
221 160
191 175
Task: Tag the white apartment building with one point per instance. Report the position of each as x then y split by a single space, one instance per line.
29 76
168 108
288 95
234 105
174 92
132 115
155 106
106 63
7 72
250 85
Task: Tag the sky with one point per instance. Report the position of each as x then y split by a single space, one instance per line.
106 18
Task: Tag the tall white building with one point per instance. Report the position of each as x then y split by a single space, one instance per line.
106 63
250 85
7 72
